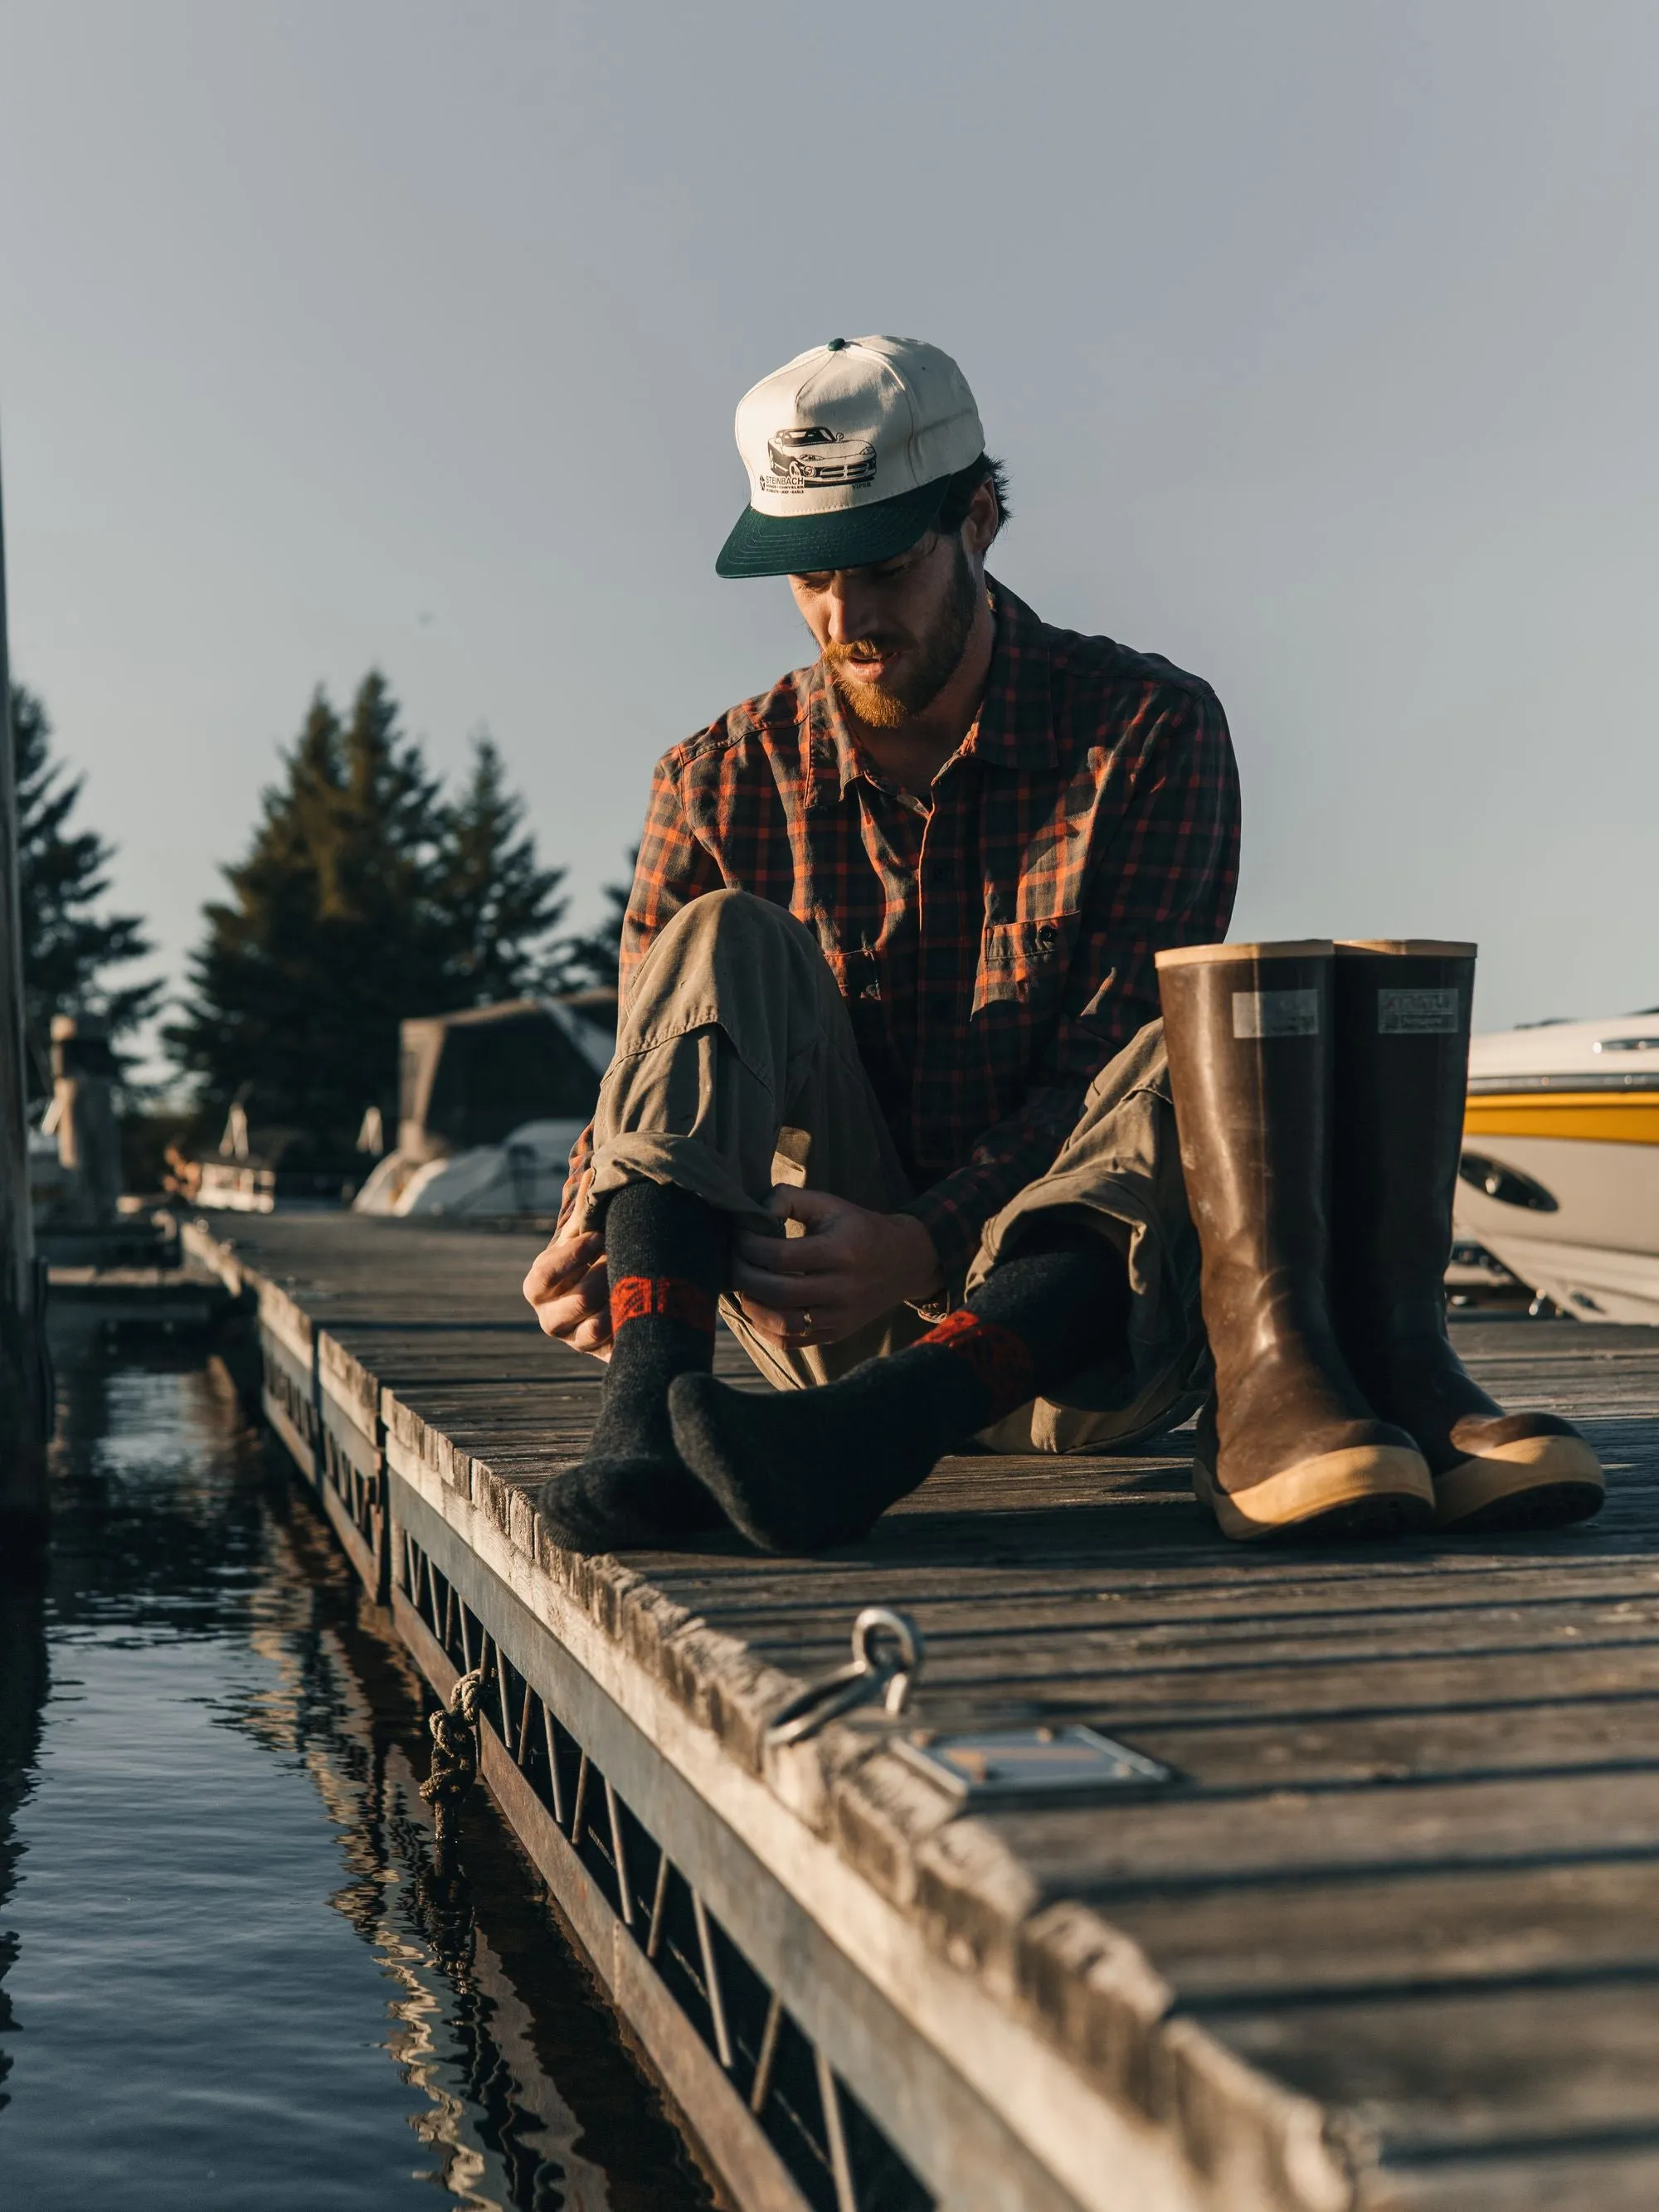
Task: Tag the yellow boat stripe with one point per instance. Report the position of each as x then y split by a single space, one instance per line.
1604 1117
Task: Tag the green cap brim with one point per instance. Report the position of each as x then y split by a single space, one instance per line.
851 538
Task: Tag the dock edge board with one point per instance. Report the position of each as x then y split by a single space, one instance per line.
821 2049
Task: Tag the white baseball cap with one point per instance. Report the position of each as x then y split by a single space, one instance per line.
850 449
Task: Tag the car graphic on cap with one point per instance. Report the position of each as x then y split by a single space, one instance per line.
817 455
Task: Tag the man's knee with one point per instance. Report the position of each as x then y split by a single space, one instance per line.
723 920
738 958
735 963
1142 1066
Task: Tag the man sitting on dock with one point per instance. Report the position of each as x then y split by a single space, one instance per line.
889 1086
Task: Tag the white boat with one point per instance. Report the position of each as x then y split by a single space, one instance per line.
524 1174
1559 1178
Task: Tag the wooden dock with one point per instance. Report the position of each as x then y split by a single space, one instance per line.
1390 1938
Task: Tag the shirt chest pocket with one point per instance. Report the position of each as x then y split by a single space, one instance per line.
1025 961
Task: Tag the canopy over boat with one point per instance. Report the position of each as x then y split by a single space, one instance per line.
470 1079
489 1103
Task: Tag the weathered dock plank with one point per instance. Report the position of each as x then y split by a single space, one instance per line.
1386 1941
95 1300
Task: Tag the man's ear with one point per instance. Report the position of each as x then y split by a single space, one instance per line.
984 519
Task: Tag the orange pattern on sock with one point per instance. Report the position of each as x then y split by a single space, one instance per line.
1001 1360
637 1296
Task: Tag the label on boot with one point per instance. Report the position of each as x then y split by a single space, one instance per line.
1418 1012
1276 1013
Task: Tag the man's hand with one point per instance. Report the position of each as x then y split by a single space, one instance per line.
569 1289
850 1266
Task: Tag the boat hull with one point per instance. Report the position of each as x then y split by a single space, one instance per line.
1595 1251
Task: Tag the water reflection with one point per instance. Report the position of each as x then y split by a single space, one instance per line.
197 2009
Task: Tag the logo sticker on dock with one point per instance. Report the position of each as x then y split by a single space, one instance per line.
1276 1013
1418 1012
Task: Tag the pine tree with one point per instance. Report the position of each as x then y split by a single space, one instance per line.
502 905
364 899
62 876
331 934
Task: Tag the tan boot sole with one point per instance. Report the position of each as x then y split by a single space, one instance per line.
1369 1490
1537 1482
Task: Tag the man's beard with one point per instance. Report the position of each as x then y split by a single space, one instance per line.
885 706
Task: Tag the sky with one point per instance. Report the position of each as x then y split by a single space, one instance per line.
1319 341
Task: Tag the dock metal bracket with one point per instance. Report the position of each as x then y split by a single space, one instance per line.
992 1767
887 1656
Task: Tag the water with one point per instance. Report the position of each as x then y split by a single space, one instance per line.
231 1978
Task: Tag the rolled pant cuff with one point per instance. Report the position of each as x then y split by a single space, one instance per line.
656 1156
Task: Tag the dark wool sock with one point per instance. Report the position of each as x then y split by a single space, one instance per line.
810 1467
662 1252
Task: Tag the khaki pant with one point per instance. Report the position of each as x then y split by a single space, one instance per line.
736 1070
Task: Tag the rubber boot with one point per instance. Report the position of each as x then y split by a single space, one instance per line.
1402 1052
1290 1442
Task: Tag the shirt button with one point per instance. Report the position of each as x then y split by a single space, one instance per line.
1048 936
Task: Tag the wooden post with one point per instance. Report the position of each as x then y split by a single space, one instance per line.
83 1072
24 1415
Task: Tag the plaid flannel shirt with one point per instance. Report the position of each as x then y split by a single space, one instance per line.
994 943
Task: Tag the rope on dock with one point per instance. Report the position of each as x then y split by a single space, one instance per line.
454 1753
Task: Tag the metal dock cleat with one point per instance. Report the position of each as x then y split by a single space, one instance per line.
993 1765
887 1656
